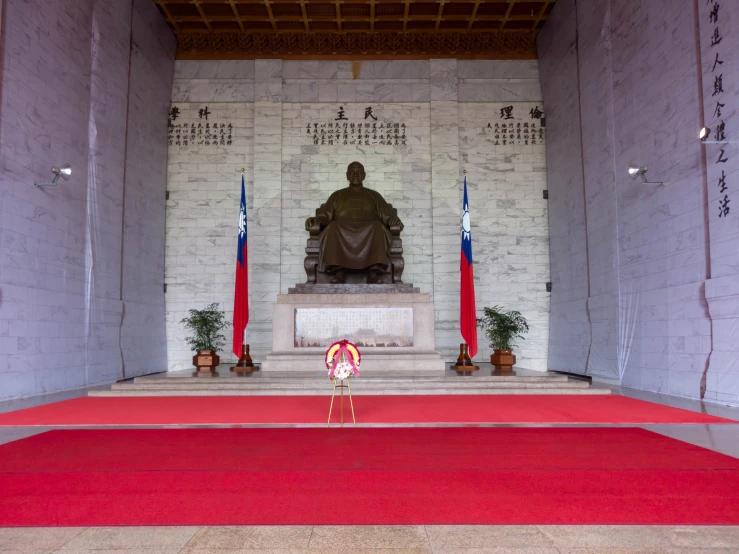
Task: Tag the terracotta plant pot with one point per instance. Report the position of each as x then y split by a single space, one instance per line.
206 361
503 360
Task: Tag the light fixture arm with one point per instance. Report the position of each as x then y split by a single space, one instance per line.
65 171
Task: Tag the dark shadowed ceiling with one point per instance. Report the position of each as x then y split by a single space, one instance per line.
244 29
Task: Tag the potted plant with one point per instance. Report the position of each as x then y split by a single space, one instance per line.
502 328
206 326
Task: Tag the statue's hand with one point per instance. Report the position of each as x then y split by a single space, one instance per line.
310 223
395 222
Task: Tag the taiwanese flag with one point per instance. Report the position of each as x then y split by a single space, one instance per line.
241 295
467 311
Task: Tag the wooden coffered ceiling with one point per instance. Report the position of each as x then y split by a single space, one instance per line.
243 29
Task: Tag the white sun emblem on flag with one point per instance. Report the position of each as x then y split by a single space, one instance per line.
242 223
466 223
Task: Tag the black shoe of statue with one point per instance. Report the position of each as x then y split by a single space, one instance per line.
338 278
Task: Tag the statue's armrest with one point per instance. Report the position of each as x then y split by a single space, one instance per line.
395 230
315 229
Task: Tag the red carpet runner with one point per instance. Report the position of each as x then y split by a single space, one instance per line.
364 476
265 410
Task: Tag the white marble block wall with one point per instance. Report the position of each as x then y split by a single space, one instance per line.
721 107
510 228
652 268
66 251
570 333
204 185
292 177
143 333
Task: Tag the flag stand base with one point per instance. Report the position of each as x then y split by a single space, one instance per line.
464 363
245 365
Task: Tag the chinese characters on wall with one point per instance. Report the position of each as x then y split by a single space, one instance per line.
718 104
381 327
342 130
203 131
517 126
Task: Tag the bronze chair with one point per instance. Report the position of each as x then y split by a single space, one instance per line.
391 275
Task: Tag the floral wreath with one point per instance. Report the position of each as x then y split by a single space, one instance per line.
342 360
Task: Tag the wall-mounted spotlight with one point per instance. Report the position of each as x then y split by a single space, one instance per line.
65 172
637 171
704 133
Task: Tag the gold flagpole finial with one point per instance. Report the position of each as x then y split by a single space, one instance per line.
465 172
243 170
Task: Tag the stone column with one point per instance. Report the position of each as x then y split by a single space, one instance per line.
446 204
264 230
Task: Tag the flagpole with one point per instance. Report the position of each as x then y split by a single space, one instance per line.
464 365
244 366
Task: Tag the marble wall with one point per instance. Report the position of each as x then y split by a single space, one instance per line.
509 215
438 100
143 335
719 42
641 253
64 249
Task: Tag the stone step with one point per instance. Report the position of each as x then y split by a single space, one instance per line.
371 378
366 385
355 392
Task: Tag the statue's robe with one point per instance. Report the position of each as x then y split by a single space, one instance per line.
356 234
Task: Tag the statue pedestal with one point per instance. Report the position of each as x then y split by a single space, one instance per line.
393 327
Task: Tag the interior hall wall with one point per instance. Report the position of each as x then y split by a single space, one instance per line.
640 83
143 334
719 42
64 99
570 335
288 177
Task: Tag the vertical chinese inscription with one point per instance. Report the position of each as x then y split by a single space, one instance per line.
720 134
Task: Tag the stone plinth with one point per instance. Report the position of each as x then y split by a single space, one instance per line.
288 355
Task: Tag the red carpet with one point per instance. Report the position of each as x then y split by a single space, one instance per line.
364 476
265 410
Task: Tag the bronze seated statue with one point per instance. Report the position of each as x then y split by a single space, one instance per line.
354 237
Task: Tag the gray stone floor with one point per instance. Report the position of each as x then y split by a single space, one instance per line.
437 539
447 539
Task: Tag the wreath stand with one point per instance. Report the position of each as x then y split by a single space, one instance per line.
341 386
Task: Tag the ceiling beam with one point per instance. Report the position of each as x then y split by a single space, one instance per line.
542 13
438 15
473 15
272 19
305 16
338 14
202 13
507 14
163 4
236 14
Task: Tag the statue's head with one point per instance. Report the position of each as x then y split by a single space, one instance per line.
355 173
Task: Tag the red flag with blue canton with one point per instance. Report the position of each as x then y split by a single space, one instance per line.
241 294
467 312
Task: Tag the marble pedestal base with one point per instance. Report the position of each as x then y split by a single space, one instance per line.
287 356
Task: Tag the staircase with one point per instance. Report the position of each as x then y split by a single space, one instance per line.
181 383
